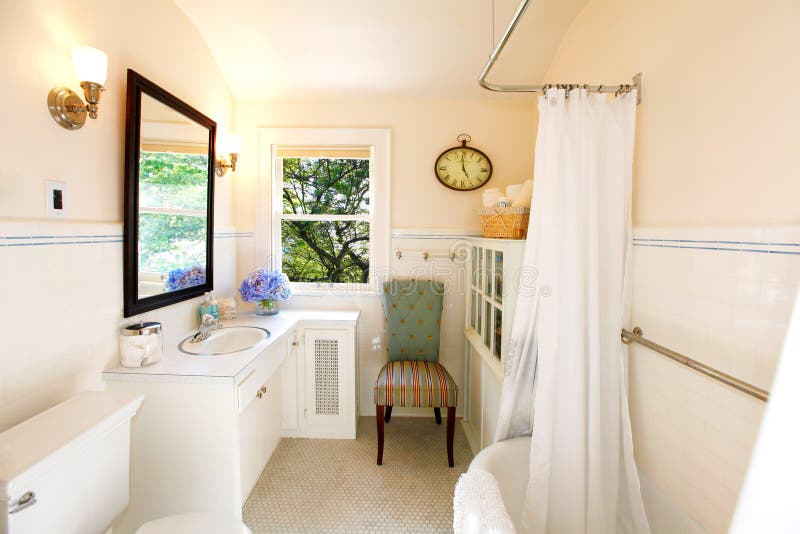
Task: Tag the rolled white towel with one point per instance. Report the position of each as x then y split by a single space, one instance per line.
491 196
478 505
512 191
523 199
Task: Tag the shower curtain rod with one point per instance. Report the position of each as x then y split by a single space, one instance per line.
629 337
523 5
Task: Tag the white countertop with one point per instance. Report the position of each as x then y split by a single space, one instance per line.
176 366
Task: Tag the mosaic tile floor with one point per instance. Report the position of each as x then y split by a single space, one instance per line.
314 485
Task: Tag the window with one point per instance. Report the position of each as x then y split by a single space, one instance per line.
329 207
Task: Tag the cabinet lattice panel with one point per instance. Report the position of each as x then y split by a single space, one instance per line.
326 376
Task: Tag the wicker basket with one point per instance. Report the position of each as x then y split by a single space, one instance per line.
507 223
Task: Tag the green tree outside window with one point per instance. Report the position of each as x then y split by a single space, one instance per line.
176 182
335 251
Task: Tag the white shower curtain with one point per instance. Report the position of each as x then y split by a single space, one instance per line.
565 374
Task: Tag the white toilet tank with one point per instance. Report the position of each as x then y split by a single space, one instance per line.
66 470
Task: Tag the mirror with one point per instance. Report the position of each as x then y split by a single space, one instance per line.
169 194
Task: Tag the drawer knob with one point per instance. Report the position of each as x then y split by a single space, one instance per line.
261 391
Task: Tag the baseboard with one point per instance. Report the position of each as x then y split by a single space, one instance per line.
473 436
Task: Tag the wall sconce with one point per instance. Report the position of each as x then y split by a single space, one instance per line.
66 107
230 144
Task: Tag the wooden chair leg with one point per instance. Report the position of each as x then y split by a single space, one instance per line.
379 420
451 430
437 412
388 416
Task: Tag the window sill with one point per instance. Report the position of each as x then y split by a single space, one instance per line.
332 291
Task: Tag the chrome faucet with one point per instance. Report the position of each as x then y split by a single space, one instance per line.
207 324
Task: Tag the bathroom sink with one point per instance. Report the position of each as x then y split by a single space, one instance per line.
226 340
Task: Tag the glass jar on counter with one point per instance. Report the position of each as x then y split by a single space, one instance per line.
141 344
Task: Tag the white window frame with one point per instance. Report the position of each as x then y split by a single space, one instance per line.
269 204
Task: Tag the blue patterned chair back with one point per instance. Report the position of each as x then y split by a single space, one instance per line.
413 311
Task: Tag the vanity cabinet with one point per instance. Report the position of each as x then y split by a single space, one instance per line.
209 424
200 443
495 273
259 428
321 371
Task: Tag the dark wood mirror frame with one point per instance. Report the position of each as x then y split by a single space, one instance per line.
133 305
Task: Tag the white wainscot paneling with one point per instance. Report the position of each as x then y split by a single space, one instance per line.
722 295
62 285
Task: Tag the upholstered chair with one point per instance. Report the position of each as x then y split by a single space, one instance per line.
413 376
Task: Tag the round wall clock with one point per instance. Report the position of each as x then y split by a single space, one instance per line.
463 168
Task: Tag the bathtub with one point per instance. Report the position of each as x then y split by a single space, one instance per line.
509 462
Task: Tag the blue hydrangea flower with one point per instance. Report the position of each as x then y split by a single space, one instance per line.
184 277
262 284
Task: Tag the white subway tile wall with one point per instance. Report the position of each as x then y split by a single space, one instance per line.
61 287
722 295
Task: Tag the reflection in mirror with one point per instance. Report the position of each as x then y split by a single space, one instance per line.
173 196
169 191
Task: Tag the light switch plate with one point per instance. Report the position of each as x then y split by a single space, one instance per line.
55 198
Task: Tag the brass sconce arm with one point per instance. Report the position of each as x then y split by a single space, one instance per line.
222 165
67 108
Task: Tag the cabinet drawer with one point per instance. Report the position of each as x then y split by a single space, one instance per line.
251 386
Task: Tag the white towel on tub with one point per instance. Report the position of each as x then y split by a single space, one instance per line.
478 505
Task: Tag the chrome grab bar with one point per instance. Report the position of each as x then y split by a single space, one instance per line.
629 337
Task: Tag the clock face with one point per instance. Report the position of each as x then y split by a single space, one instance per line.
463 168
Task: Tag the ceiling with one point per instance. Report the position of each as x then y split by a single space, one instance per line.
352 48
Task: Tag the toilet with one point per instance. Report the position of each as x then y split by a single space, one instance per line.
199 523
67 470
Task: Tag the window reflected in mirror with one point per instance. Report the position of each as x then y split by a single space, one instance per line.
173 198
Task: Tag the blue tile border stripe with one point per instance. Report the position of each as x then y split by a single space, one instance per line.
723 245
50 240
224 235
717 241
792 249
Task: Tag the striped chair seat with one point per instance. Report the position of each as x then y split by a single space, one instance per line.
416 384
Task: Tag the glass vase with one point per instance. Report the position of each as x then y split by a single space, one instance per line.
266 307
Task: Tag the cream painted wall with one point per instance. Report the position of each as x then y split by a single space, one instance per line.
153 37
421 129
719 126
63 296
